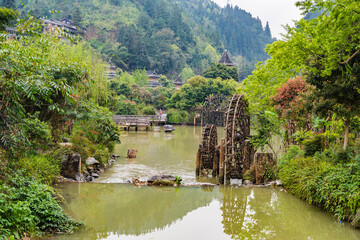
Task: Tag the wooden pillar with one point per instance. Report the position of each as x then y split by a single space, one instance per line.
197 172
248 156
215 171
261 161
221 158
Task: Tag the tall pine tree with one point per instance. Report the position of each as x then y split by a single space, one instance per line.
267 30
77 18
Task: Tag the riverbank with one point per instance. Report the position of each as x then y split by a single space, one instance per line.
328 179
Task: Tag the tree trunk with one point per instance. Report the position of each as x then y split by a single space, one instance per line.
346 136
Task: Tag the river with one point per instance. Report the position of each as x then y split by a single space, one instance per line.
111 209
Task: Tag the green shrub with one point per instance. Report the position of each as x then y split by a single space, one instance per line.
29 207
178 116
44 167
336 188
148 110
37 132
312 143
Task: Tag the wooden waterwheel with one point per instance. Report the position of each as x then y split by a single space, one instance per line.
208 146
237 130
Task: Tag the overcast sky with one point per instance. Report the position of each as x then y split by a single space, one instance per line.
276 12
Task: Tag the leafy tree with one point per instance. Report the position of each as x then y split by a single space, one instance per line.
165 82
6 16
197 89
218 70
326 49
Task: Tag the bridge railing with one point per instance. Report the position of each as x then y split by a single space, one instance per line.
139 120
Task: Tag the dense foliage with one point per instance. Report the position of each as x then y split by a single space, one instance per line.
164 35
197 89
328 179
318 111
29 207
50 89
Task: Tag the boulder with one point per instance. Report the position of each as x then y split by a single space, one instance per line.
247 182
91 161
95 175
161 178
132 153
71 166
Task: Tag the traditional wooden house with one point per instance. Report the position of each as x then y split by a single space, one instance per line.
59 27
110 72
225 59
152 75
178 82
153 79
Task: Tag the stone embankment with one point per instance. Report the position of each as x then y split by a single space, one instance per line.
73 169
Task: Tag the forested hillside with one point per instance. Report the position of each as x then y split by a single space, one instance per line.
168 36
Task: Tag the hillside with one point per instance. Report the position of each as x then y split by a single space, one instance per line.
168 36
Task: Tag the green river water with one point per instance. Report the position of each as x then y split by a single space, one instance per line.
111 209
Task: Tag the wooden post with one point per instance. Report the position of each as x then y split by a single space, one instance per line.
200 159
197 172
215 171
248 155
262 160
221 158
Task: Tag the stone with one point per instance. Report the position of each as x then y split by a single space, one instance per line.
91 161
66 140
279 183
95 175
66 144
111 162
161 178
114 157
132 153
247 182
235 181
71 166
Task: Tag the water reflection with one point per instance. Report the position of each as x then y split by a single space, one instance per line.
117 211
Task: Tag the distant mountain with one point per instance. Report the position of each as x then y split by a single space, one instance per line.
168 36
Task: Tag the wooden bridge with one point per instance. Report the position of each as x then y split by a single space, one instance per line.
137 121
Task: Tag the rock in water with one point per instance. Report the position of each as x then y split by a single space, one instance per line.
132 153
247 182
71 166
161 177
91 161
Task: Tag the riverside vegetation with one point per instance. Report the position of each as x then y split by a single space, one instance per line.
309 88
306 92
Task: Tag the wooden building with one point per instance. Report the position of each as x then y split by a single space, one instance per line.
178 82
225 59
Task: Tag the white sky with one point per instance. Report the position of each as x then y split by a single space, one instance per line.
276 12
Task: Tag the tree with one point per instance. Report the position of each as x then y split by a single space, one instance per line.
198 88
77 17
6 16
267 30
10 4
218 70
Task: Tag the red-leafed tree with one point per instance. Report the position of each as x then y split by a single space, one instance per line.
290 104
